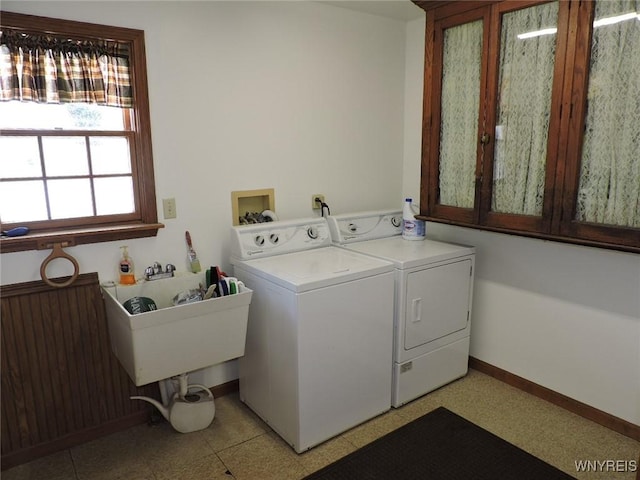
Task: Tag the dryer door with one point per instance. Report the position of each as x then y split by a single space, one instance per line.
437 302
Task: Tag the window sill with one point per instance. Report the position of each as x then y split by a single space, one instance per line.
630 246
80 236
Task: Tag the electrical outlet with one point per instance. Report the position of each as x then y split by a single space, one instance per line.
316 205
169 207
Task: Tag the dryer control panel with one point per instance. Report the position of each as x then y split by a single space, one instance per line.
357 227
276 238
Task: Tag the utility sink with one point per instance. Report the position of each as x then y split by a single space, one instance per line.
173 340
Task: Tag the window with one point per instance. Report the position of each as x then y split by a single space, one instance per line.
531 119
75 160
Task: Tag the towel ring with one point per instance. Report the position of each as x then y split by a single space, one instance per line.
58 252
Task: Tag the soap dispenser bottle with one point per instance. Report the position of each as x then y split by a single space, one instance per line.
125 268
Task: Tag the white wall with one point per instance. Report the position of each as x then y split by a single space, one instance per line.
566 317
302 97
298 96
414 60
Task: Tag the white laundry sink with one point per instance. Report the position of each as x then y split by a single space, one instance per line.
172 340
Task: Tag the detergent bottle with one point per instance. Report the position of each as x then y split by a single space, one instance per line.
412 228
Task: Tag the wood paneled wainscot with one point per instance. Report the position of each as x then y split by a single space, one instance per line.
61 384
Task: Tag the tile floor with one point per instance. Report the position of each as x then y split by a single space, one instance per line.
238 445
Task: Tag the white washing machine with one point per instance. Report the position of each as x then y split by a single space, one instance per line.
433 295
320 333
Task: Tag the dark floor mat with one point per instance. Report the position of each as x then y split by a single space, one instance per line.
439 446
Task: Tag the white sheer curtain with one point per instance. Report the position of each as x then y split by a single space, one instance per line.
609 188
524 102
459 114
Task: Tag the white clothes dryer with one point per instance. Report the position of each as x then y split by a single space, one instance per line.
320 332
433 298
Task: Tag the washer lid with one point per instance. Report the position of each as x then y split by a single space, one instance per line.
411 253
317 268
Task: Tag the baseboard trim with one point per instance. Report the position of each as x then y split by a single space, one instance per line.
586 411
225 388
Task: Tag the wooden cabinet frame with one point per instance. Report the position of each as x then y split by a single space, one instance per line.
566 125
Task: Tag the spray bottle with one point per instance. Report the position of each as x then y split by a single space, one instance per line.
125 268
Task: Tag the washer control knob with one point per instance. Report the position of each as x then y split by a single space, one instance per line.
259 240
353 228
396 221
274 238
312 232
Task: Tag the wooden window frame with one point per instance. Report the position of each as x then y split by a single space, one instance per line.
568 112
144 222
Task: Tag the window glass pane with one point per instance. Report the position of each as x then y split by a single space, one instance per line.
19 157
114 195
22 202
527 53
70 198
63 116
65 156
462 53
609 187
109 155
91 117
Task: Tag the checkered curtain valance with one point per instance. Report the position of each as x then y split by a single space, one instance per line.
48 69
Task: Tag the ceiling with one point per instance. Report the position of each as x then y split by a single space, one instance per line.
397 9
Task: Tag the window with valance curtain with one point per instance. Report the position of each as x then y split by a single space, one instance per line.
48 69
75 133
